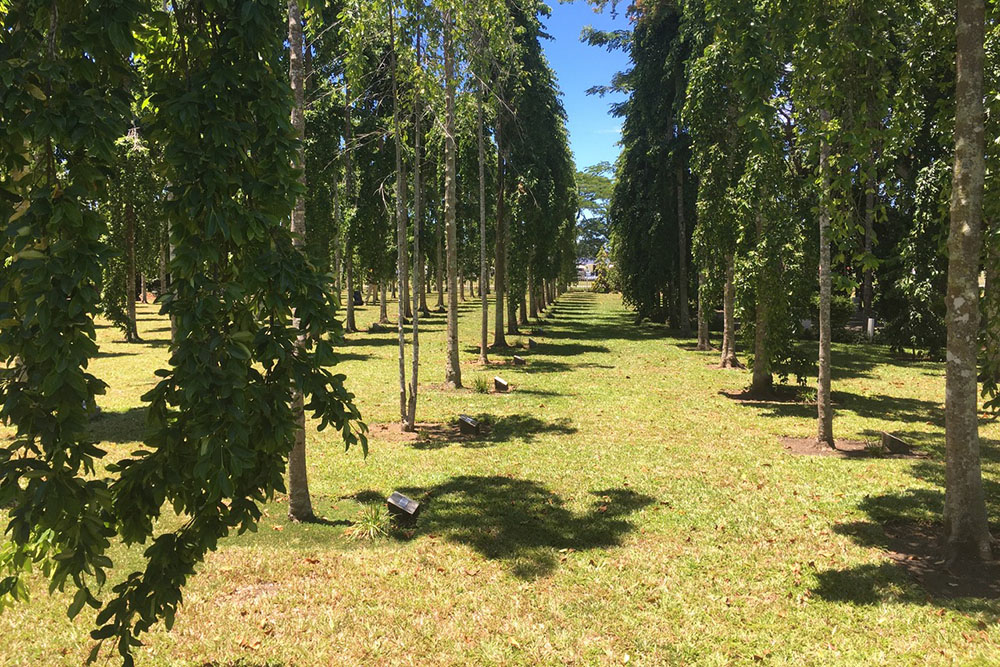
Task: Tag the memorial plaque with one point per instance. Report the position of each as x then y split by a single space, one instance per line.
402 507
519 361
500 384
468 425
894 445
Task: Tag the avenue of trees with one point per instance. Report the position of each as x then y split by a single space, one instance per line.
768 143
253 164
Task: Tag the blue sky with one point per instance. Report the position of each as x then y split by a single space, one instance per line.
593 132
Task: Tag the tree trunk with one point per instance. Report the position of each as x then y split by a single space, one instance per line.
131 330
762 380
512 329
483 267
418 265
350 326
704 340
142 288
401 270
439 265
729 358
164 259
682 276
299 502
383 304
523 312
337 243
532 296
965 520
500 258
453 369
824 406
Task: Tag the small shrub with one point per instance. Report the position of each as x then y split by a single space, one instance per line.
517 342
373 522
481 384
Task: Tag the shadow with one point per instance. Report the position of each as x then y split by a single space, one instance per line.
907 527
365 339
113 355
119 427
520 522
350 356
493 430
366 497
901 409
570 349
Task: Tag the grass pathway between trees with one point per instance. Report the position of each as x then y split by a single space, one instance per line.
621 509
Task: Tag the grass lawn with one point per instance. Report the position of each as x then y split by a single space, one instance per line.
621 510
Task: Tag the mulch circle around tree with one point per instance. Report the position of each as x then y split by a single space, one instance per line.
916 547
845 449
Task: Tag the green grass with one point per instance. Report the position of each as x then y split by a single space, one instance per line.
619 509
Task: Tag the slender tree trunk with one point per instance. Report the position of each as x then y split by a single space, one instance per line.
965 520
383 307
131 329
461 288
483 266
164 259
729 358
704 341
532 296
500 258
337 243
867 286
439 265
142 288
299 501
401 270
512 329
762 380
523 312
350 325
682 275
453 369
418 267
824 405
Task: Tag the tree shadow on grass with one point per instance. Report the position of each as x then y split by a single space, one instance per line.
351 356
522 523
901 409
114 355
494 430
906 526
119 427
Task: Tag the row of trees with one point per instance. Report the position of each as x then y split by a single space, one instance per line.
765 140
400 101
259 158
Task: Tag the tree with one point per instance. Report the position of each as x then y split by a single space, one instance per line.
453 368
966 528
595 185
254 319
299 501
132 213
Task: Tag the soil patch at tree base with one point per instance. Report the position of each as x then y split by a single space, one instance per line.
845 449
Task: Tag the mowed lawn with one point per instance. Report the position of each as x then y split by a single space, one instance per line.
620 511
